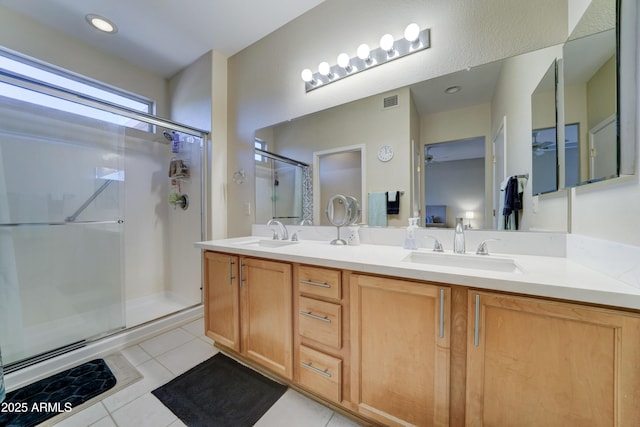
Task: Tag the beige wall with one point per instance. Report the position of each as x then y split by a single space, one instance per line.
601 94
264 79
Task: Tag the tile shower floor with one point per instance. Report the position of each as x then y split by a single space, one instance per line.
166 356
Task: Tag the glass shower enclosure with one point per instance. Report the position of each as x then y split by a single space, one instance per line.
88 233
283 189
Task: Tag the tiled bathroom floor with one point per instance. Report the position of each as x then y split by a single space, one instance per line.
166 356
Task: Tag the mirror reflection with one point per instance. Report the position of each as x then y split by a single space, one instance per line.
543 138
496 105
590 108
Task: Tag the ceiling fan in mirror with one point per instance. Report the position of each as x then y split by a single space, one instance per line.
541 147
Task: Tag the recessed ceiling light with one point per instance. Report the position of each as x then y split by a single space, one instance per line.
452 89
101 23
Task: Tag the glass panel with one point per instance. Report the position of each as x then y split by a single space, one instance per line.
279 191
61 198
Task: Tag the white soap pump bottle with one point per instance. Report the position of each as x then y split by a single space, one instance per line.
410 240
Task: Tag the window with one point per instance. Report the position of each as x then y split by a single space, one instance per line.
259 144
23 68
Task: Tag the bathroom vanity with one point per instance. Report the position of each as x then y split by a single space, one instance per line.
400 337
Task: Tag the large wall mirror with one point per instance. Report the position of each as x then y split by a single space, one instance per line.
436 119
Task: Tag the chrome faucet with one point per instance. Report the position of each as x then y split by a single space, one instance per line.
458 237
283 234
482 247
437 246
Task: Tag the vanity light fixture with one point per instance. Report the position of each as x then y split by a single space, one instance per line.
414 40
101 23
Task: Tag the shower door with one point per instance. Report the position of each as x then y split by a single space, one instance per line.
61 215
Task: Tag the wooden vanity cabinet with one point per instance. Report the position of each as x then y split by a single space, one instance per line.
266 328
533 362
222 299
322 335
400 351
249 308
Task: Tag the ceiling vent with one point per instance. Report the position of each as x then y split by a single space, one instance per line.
390 102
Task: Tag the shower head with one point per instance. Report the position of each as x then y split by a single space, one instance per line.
168 135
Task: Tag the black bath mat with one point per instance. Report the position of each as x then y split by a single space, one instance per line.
220 392
37 402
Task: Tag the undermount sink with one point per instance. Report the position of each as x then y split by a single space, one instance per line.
267 243
478 262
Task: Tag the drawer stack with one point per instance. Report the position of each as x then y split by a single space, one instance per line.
320 345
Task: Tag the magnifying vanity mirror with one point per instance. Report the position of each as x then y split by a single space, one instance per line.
513 100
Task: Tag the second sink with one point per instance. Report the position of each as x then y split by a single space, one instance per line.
478 262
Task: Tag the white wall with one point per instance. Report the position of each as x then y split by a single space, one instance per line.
264 79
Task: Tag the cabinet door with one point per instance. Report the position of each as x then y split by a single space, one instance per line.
545 363
266 295
400 351
222 315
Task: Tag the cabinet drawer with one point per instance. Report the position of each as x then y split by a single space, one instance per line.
321 373
320 321
322 282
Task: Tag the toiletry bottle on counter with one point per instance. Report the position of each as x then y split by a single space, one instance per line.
410 240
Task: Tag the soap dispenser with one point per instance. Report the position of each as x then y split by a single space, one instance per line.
410 240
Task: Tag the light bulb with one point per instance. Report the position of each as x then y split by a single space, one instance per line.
386 42
412 32
101 23
324 68
363 52
307 75
343 61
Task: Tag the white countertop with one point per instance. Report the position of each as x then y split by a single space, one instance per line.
554 277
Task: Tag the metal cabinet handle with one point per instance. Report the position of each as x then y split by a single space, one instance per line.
241 275
315 316
441 313
310 366
476 325
322 285
231 264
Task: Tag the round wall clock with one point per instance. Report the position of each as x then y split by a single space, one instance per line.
385 153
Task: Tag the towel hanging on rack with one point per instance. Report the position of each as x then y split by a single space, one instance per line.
393 202
513 188
377 209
